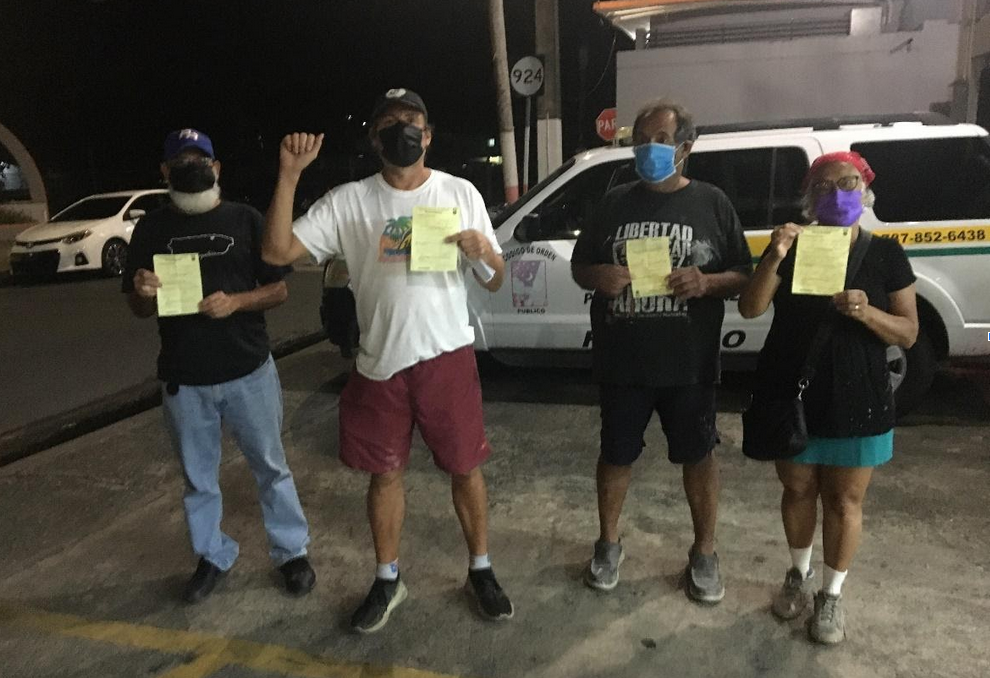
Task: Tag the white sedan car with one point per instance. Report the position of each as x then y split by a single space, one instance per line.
91 234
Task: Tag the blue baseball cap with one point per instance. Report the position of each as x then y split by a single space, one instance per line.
183 139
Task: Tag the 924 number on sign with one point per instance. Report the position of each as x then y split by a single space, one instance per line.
528 76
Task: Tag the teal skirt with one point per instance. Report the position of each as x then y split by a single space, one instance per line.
851 452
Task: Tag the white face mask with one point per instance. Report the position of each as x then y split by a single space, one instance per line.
195 203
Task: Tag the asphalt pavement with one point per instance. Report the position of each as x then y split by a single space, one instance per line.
95 555
70 350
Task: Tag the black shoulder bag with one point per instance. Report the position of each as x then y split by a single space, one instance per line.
775 428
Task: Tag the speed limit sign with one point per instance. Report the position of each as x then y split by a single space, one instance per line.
526 76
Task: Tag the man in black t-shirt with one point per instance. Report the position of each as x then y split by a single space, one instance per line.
215 365
661 353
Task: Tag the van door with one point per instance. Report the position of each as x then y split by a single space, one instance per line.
539 306
764 184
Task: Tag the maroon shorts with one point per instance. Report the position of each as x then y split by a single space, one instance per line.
442 396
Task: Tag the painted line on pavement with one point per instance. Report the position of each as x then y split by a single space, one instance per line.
211 653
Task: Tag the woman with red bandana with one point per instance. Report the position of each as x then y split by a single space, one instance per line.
849 405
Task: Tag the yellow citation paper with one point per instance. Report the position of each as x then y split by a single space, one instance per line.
649 265
430 226
182 284
821 260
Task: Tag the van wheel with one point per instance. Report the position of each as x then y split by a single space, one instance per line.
911 372
113 260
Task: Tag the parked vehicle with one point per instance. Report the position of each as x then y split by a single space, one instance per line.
91 234
933 196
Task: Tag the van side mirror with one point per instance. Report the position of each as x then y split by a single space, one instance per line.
133 215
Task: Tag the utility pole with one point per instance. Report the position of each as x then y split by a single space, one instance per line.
507 134
548 129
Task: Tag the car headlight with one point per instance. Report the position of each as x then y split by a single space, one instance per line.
76 237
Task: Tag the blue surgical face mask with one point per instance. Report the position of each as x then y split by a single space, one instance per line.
655 162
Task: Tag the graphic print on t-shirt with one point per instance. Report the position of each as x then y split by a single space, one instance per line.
396 243
205 245
684 251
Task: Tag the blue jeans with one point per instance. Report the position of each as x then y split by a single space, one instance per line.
251 408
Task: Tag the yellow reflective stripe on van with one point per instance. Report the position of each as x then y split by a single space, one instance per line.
920 241
757 243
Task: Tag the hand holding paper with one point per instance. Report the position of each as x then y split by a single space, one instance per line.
431 226
182 284
649 265
821 260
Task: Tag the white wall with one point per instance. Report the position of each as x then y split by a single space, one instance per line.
795 79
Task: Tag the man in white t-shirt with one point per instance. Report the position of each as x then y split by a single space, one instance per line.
415 364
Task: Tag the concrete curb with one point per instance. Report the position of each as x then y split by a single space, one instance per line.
41 435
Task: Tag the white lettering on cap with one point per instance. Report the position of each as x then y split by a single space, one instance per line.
189 134
397 93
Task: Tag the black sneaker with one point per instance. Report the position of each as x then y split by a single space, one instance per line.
299 576
492 601
203 581
383 597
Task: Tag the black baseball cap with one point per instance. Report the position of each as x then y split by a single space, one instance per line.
398 95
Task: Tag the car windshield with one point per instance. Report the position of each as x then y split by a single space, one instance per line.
530 194
92 208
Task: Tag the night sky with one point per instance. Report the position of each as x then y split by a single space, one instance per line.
91 87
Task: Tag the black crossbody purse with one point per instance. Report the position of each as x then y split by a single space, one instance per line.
775 428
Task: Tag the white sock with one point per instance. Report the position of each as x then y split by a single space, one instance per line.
833 581
388 571
480 562
801 559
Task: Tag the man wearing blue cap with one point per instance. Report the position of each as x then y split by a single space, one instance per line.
216 365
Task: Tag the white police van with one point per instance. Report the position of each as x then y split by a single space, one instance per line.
933 196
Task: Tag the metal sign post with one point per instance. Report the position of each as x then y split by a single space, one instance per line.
526 78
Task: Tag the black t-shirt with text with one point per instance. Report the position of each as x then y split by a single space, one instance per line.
659 341
850 394
197 349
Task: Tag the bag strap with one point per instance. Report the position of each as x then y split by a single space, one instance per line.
825 330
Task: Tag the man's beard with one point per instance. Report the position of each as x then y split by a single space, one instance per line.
195 203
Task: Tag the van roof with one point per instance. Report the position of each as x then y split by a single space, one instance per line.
830 123
835 129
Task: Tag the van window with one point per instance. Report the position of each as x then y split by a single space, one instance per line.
930 179
503 214
745 176
563 213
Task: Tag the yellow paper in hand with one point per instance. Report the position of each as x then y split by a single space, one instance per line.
649 265
430 225
820 261
182 284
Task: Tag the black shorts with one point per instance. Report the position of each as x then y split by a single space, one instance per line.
687 415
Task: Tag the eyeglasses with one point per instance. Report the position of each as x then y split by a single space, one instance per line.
847 183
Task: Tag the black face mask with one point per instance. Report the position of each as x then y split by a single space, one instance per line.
402 144
191 178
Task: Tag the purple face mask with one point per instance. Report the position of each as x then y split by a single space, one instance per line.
839 208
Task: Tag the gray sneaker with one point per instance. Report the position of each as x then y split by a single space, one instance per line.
828 624
603 569
704 582
794 595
